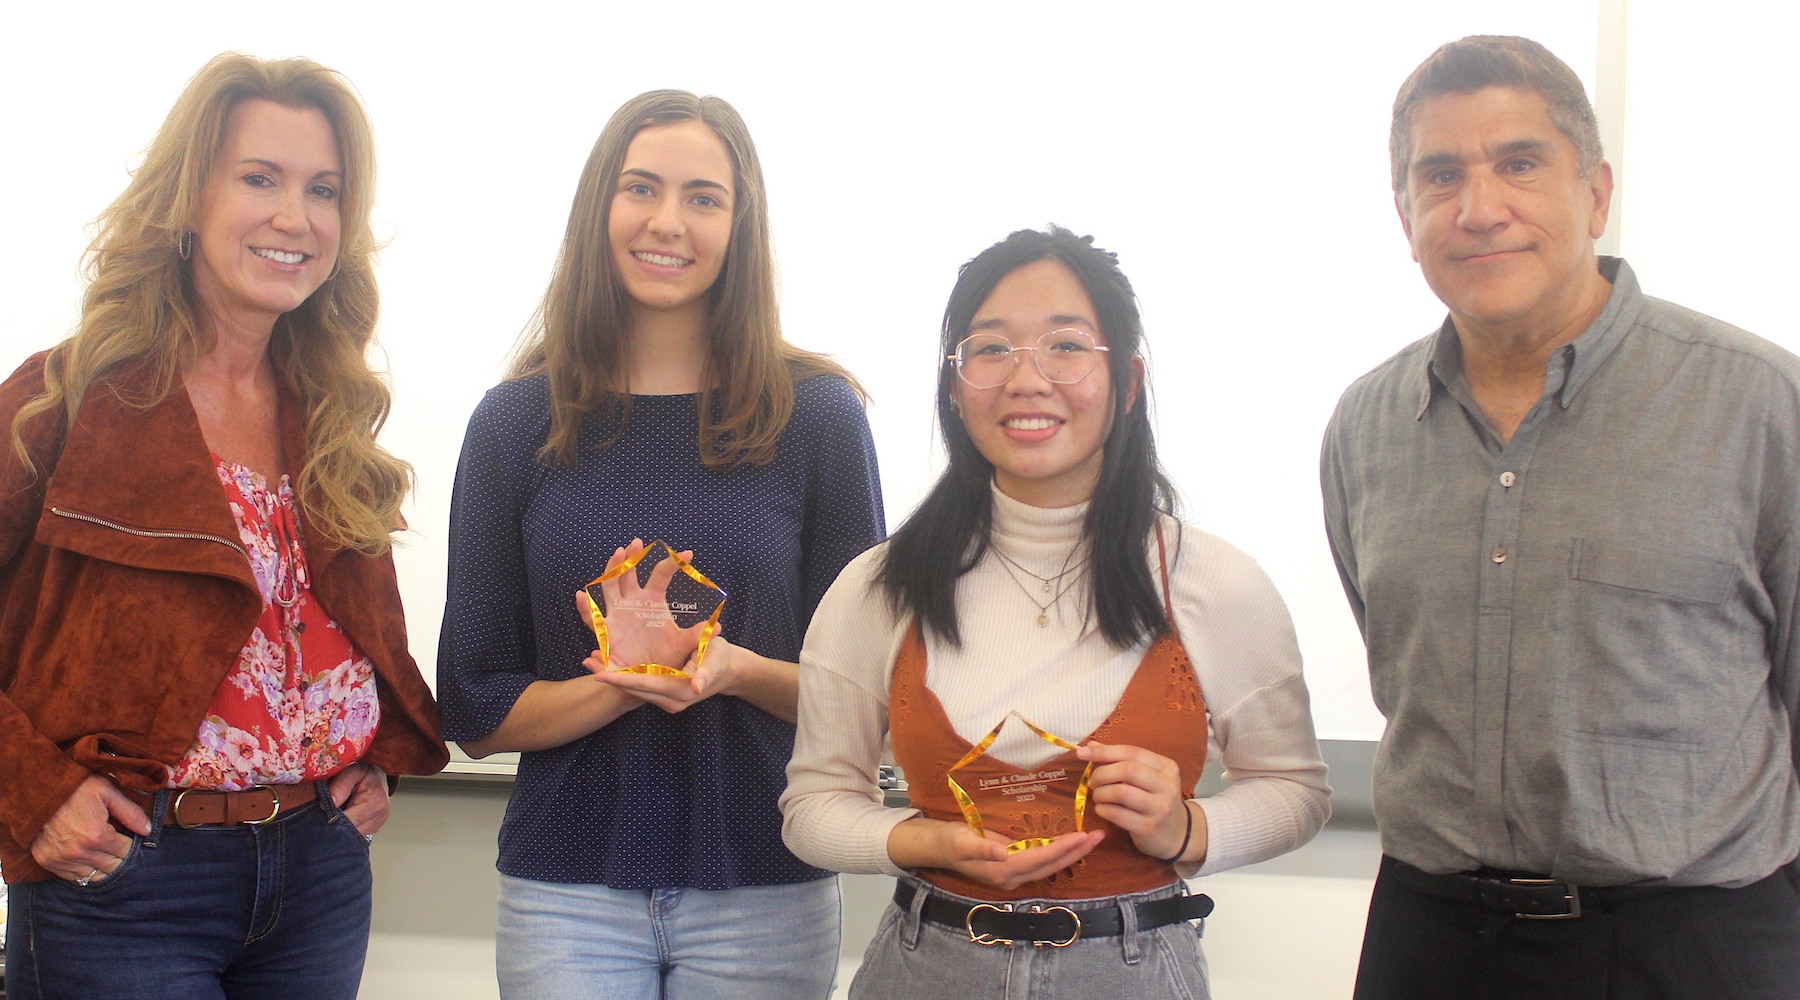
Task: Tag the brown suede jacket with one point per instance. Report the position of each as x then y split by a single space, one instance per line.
125 598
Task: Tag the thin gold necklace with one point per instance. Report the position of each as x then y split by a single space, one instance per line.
1046 581
1010 565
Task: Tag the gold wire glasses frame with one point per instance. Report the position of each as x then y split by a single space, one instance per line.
985 360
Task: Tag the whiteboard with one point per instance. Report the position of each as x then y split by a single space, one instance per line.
1234 155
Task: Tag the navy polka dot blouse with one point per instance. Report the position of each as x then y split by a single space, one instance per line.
651 800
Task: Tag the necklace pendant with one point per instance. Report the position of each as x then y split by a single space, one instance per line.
1046 586
1043 619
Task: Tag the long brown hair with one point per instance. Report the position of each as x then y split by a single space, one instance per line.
139 302
578 337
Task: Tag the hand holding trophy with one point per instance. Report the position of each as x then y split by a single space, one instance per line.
1031 806
652 612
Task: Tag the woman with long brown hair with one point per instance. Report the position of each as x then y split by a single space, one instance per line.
654 398
202 649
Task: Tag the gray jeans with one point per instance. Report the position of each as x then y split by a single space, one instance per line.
911 958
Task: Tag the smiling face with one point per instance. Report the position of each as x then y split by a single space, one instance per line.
1500 219
670 220
267 233
1045 439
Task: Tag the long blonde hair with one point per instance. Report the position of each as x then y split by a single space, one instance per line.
578 335
139 303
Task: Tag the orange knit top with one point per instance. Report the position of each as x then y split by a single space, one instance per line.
1162 711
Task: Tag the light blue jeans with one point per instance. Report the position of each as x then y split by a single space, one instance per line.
561 941
912 959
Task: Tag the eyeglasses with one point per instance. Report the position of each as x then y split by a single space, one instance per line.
985 360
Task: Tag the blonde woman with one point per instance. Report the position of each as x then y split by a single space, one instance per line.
204 665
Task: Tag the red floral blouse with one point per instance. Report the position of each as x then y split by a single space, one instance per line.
290 710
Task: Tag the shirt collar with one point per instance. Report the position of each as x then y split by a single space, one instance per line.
1018 519
1441 362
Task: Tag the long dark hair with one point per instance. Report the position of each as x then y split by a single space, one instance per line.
946 536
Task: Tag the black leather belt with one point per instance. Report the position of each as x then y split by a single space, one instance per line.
1523 896
1052 926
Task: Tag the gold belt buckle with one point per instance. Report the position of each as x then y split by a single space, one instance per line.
988 940
985 940
274 807
175 810
1073 935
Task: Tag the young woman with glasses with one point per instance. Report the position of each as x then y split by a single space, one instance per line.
1055 659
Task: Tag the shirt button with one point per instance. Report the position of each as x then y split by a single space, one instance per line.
1499 554
1507 479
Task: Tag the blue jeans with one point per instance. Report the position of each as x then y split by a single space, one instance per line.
563 941
278 910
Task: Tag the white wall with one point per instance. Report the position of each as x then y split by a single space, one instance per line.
1709 119
1233 155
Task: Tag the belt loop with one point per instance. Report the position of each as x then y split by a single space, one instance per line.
1130 946
159 808
914 915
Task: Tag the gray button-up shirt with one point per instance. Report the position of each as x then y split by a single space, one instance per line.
1584 639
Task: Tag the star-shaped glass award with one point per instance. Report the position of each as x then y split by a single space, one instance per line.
654 613
1031 805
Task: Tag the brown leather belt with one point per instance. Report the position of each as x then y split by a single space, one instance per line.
191 807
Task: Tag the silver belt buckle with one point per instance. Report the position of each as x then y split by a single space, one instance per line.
1571 897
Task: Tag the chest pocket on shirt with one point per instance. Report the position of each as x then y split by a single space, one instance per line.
1684 578
1645 645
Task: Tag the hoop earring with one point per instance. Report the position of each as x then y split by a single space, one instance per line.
184 246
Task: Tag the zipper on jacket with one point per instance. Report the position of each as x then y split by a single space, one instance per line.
143 533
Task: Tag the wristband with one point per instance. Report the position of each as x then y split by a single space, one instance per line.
1186 838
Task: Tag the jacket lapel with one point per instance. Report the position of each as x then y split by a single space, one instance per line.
137 486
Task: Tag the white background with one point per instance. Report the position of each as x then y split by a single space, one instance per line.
1233 155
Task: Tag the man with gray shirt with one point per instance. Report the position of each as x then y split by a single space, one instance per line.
1568 523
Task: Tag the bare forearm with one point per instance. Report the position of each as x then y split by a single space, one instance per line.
552 713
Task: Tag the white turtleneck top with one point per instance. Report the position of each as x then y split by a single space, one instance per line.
1061 675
